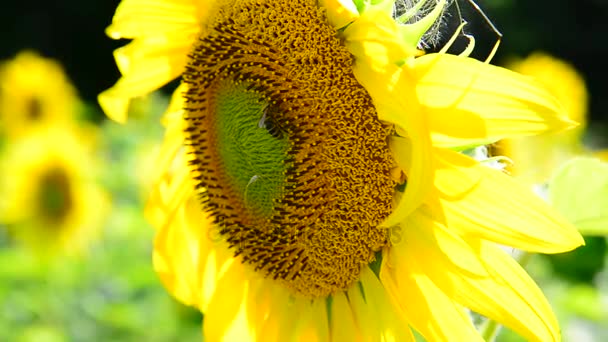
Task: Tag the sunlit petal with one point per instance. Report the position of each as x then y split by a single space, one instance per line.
138 18
421 300
482 102
497 208
392 93
489 282
339 12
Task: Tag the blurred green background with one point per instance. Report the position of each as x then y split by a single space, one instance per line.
111 292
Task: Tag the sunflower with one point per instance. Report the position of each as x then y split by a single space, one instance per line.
309 185
536 157
34 91
48 198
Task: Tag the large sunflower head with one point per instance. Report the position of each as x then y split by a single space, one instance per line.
34 91
309 185
48 197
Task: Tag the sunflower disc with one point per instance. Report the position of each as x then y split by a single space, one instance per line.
286 147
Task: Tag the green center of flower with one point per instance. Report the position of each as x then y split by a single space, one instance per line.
286 148
251 146
54 196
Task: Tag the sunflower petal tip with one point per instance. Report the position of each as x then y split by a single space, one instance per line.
116 108
112 32
569 124
579 240
569 239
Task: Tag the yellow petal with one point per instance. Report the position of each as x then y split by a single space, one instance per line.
115 106
490 282
343 326
146 65
496 207
394 99
293 313
238 329
269 310
429 310
137 18
312 322
226 303
366 321
470 102
374 39
339 12
168 49
414 159
168 155
561 78
166 181
188 255
175 111
320 321
258 303
178 257
374 312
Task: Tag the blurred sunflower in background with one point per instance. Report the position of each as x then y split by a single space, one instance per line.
71 267
536 157
48 196
302 194
34 92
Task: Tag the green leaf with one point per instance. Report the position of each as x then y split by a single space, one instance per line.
579 190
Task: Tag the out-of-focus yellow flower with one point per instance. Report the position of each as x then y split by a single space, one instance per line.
301 195
535 158
48 196
34 91
602 154
561 79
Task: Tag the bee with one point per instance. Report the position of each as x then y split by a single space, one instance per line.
269 123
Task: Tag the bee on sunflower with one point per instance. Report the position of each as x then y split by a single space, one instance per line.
310 185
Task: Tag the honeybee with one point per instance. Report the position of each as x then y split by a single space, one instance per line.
269 123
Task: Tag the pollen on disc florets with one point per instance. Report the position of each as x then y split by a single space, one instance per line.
286 147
